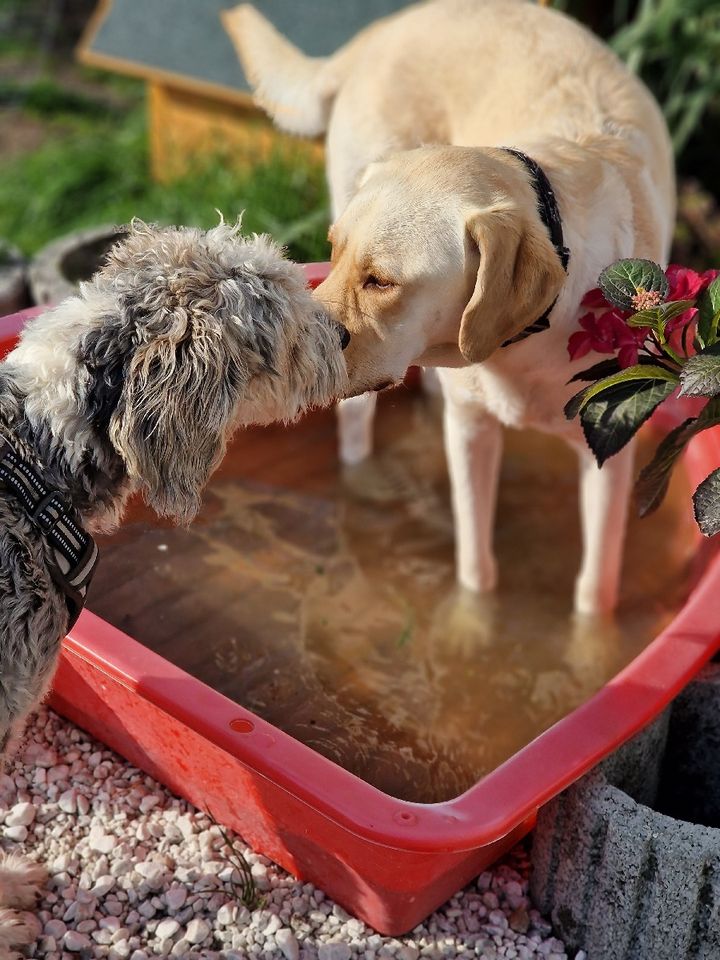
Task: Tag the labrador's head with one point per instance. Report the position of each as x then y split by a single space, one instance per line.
439 258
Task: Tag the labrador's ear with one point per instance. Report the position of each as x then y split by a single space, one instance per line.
519 276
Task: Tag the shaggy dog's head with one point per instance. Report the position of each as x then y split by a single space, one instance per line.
183 336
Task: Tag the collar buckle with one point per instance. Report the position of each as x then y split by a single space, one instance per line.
49 510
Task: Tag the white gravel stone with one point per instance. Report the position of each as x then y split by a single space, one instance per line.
103 885
21 815
407 953
167 929
55 929
75 942
175 898
287 942
19 833
100 841
148 803
197 930
147 910
67 801
334 951
38 755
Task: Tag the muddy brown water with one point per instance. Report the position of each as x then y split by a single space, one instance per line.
323 599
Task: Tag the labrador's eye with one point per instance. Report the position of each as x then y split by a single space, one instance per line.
372 282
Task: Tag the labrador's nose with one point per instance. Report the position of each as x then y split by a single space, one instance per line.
344 336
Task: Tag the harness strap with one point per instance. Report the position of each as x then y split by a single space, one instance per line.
550 216
73 554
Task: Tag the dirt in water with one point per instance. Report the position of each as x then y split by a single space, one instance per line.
324 600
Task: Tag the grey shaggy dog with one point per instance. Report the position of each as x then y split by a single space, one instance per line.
137 384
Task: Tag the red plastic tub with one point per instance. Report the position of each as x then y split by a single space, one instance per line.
388 861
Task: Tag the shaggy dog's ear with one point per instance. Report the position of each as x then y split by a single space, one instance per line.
519 276
176 408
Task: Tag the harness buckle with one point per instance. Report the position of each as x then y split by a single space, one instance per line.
43 520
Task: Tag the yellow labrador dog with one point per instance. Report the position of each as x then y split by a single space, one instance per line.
449 249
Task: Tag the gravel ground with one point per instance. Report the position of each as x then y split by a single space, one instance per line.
137 873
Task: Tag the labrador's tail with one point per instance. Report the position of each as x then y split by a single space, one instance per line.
296 90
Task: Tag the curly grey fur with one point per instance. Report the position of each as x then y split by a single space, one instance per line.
137 384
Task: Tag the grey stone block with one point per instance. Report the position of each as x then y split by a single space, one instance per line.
13 280
58 268
627 861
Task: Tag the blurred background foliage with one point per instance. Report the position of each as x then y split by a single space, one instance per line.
74 146
74 150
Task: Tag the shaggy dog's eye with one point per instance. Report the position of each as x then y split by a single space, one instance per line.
372 282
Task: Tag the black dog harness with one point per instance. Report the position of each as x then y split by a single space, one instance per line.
72 553
550 216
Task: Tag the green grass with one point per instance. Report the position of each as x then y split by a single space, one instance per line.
99 173
43 97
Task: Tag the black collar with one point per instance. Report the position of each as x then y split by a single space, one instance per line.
550 216
72 554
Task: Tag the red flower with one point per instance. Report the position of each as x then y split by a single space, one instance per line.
682 320
605 330
607 333
679 337
685 284
595 299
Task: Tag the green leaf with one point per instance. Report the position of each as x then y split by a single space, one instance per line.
639 372
607 367
644 371
646 318
574 404
651 486
700 377
624 279
658 316
706 501
613 417
652 483
602 369
708 305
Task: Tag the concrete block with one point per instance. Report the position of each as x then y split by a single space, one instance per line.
627 861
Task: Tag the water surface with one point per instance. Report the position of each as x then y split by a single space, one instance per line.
324 599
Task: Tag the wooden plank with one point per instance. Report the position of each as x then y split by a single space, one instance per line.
186 127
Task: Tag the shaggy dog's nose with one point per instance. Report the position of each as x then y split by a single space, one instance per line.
344 336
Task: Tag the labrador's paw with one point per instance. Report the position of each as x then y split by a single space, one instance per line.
464 623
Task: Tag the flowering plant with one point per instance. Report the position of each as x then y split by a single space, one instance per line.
661 329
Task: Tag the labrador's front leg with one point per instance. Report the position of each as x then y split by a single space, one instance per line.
473 444
356 417
604 503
